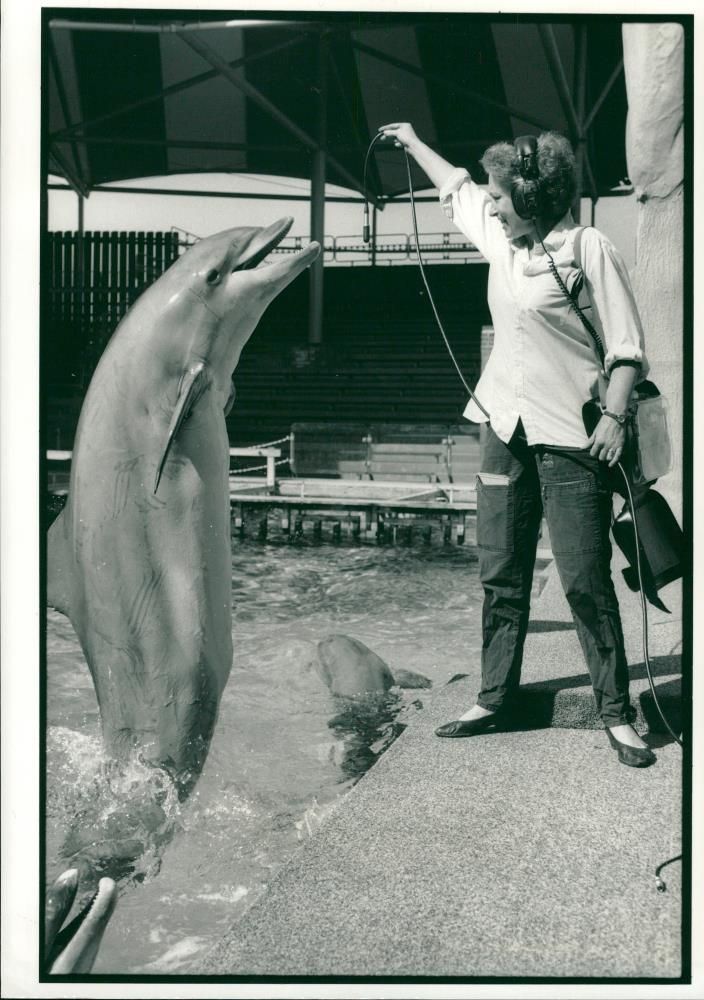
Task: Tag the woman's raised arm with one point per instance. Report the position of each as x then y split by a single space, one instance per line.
437 169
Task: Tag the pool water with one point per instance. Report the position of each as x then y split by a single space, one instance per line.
285 750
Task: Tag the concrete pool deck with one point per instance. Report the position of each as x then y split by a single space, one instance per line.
527 853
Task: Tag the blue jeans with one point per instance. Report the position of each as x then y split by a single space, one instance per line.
570 488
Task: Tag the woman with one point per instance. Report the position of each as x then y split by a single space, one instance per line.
537 458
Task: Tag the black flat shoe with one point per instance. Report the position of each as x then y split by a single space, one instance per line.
631 756
468 727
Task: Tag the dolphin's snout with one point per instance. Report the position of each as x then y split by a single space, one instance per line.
74 948
263 241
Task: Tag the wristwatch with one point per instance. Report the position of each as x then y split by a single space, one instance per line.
620 418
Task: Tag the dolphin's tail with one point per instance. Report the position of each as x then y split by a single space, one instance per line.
60 565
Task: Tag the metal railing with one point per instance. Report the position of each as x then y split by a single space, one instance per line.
388 249
58 479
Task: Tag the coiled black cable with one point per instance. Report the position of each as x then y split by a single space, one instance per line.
660 884
573 302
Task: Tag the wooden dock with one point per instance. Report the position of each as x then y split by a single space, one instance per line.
352 509
366 482
357 509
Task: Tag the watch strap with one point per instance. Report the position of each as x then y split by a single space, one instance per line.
620 418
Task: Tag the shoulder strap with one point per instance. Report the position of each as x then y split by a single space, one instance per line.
581 285
577 252
577 246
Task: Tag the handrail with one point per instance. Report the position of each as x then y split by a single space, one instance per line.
271 454
396 246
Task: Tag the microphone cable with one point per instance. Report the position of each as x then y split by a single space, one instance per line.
660 883
365 228
378 136
644 611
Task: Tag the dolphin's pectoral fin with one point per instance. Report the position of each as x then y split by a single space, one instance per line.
230 399
193 384
59 566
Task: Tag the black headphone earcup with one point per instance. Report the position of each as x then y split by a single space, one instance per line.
526 198
527 189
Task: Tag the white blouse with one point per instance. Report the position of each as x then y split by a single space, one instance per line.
543 366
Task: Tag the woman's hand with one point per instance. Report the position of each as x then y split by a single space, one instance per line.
431 163
403 133
607 441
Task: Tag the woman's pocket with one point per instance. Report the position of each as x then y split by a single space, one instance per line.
577 514
495 513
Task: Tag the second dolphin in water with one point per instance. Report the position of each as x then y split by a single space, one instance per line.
350 669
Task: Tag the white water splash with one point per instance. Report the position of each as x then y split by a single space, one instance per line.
177 956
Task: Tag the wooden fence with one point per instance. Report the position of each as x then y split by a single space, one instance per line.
92 280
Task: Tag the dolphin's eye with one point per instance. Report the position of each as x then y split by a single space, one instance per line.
213 277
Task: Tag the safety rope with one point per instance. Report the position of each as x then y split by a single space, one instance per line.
258 468
270 444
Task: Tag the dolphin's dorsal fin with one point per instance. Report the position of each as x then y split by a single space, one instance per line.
193 385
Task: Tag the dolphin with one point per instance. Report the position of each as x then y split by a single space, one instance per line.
73 949
350 669
139 559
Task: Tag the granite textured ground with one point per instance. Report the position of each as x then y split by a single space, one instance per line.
525 853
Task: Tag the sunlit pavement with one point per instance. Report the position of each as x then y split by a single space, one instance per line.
526 853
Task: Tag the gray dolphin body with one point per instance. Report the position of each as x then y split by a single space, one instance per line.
140 557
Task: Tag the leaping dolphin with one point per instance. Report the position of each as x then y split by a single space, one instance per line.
140 559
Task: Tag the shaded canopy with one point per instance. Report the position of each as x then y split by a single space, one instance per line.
148 93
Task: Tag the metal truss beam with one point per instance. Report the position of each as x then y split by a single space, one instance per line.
63 99
128 140
211 56
176 88
171 27
618 69
65 168
472 95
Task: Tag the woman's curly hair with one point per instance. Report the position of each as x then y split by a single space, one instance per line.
556 165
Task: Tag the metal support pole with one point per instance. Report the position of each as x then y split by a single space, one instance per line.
580 98
552 54
81 244
557 71
317 201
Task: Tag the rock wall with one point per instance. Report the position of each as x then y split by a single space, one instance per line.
654 70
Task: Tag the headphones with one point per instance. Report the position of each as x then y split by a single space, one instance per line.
527 193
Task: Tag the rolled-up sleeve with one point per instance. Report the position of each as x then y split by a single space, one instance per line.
468 207
612 296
